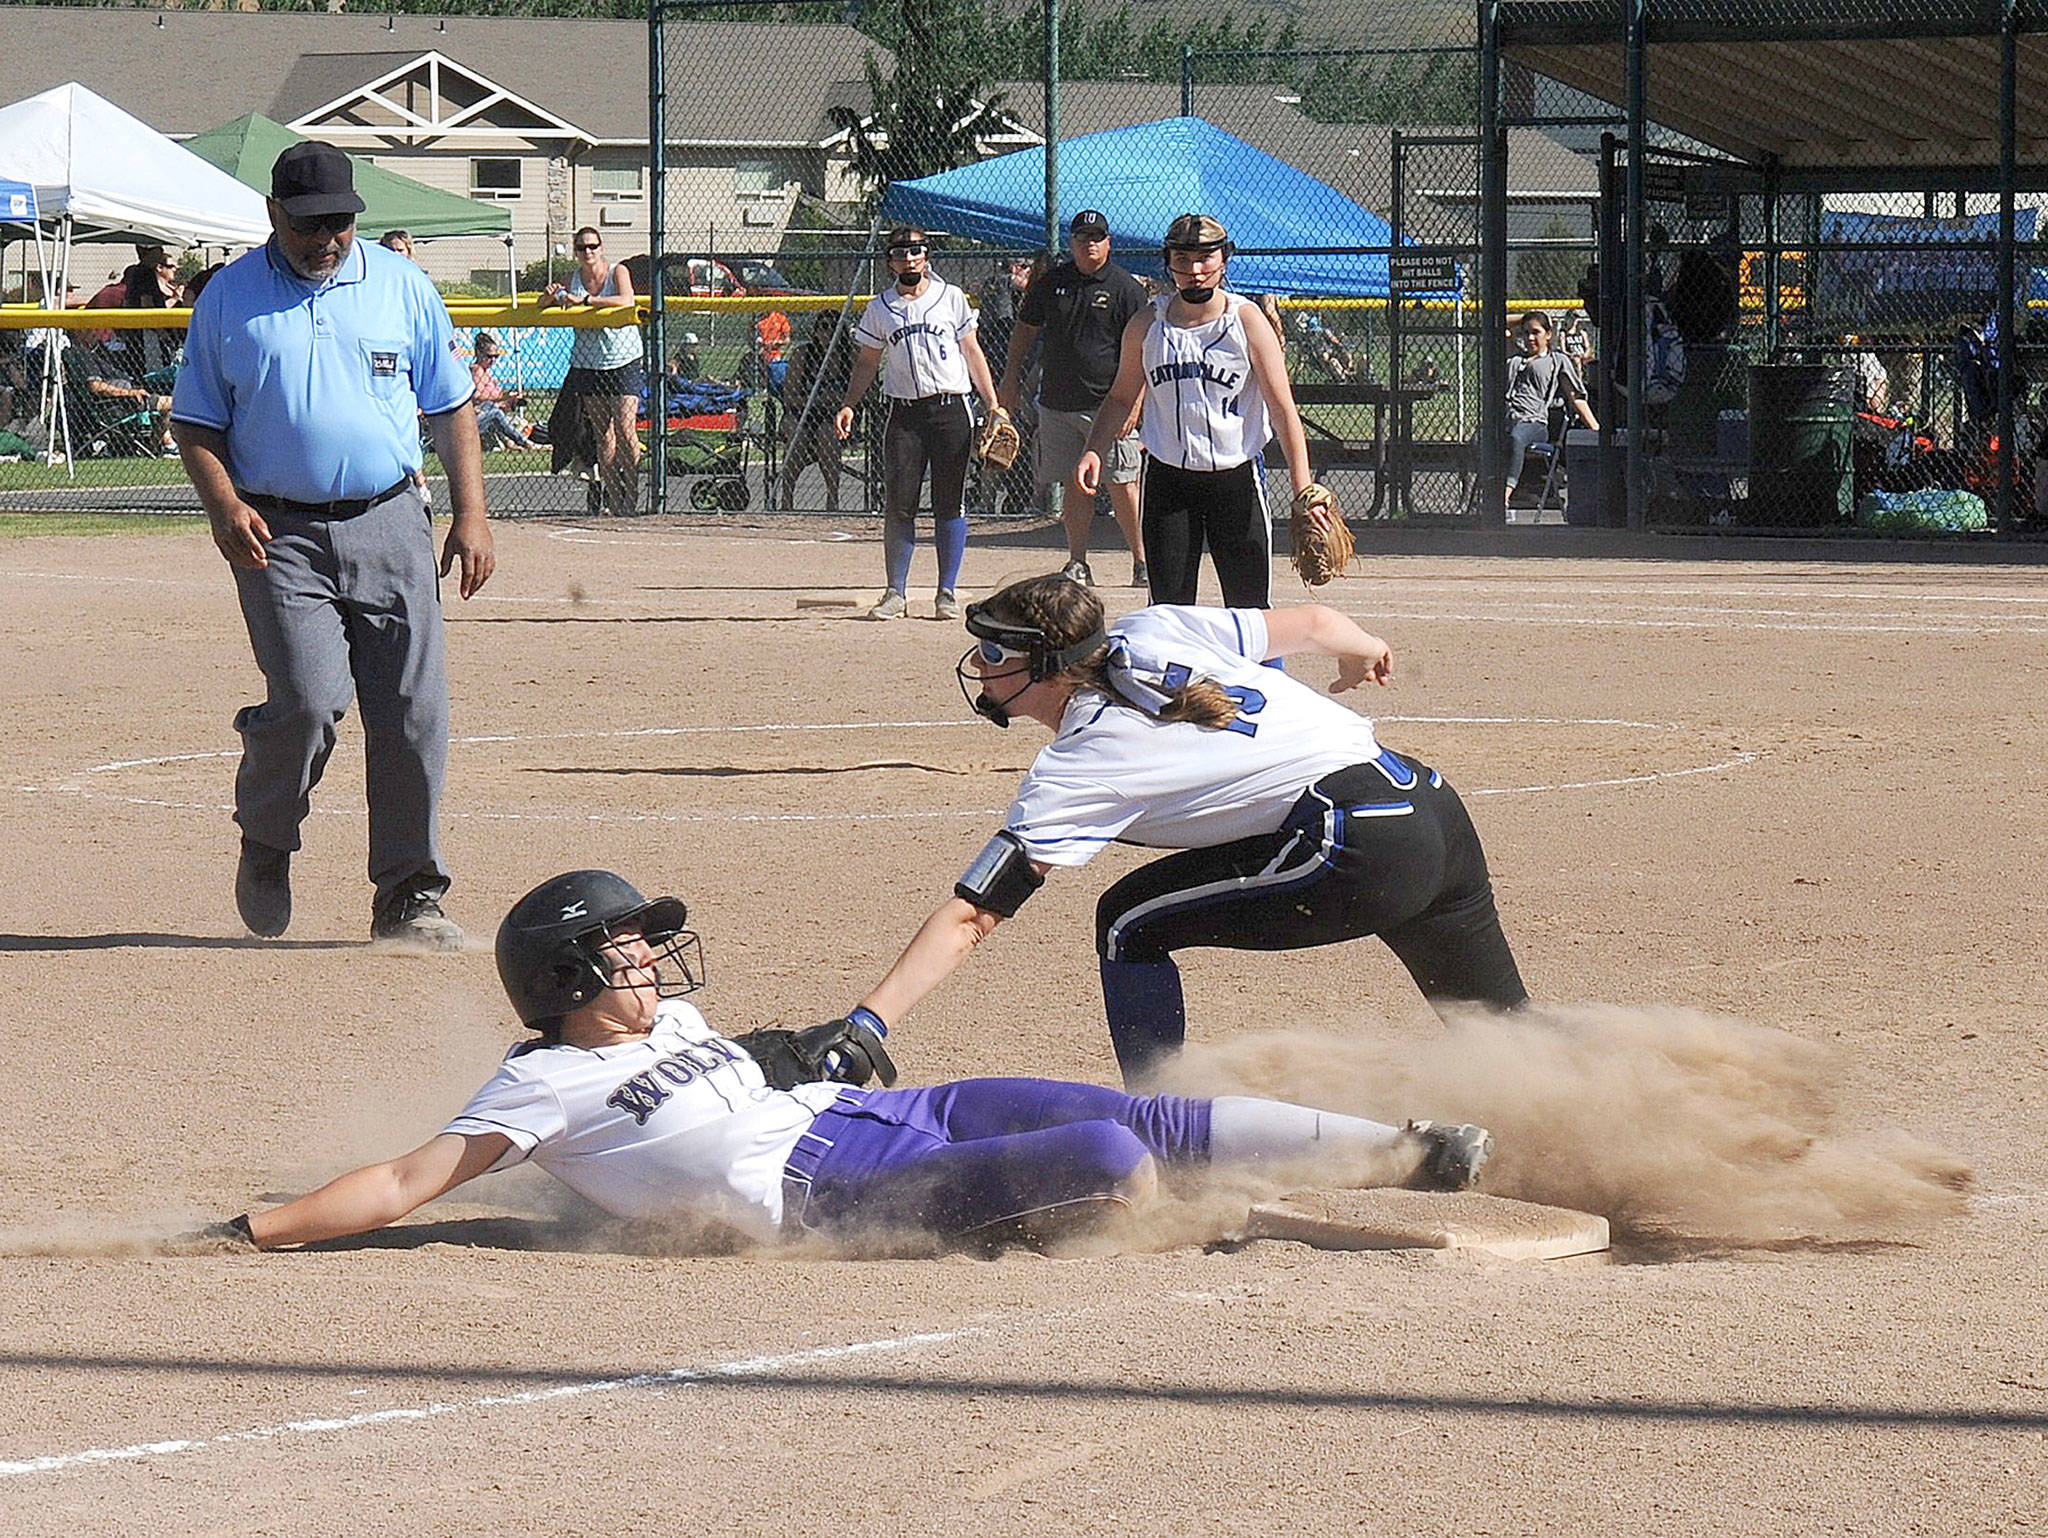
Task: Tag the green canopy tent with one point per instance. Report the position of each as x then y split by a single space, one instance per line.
247 147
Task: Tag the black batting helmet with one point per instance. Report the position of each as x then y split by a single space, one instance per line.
549 946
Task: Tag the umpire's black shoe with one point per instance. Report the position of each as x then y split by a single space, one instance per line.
411 917
263 889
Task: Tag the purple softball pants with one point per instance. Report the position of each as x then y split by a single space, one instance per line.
978 1154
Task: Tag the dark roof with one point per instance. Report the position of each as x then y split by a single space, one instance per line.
1818 88
185 71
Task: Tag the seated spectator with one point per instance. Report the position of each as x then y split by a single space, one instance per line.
684 364
1538 380
494 403
111 415
1873 384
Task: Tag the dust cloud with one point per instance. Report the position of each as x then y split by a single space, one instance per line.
1677 1126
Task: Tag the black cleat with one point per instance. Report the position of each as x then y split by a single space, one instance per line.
412 918
263 889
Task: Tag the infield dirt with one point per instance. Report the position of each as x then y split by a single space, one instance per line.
1769 840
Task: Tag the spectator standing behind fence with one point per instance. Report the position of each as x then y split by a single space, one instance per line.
1536 380
1078 312
920 332
494 403
307 365
606 373
1208 369
818 375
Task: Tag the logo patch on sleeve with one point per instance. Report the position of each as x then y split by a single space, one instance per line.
384 365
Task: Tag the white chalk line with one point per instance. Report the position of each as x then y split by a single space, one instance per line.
1647 777
1962 626
333 1425
1632 613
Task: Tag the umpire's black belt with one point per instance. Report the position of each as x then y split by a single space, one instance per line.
348 507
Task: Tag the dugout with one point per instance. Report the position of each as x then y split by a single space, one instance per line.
1863 162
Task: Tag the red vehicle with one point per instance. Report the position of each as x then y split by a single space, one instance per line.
710 277
700 277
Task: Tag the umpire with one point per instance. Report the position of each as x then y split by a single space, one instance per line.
308 365
1081 307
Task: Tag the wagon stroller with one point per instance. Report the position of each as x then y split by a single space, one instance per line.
709 442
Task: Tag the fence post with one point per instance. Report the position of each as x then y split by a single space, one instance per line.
1052 127
2006 461
657 211
1632 305
1493 277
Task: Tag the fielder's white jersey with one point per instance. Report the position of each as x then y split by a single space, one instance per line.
1204 409
680 1122
1114 773
920 340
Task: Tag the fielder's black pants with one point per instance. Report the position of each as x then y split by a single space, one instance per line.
935 431
1184 509
1383 848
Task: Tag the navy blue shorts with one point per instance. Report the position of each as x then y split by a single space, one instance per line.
978 1155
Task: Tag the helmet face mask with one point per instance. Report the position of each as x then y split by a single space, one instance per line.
551 945
1200 235
1018 641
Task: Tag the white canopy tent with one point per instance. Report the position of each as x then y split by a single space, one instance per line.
97 173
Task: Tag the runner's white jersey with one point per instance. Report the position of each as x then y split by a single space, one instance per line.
1114 772
920 340
680 1122
1204 409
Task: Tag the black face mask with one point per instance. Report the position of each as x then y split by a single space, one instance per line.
1197 295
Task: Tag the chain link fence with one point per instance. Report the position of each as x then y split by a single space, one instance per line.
1336 140
1804 276
1799 288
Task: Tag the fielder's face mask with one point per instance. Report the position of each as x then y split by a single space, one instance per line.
999 641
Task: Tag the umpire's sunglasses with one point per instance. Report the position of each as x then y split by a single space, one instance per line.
319 224
918 249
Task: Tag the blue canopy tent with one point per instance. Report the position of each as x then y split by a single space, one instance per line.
1142 177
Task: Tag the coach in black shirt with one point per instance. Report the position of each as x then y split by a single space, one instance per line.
1081 306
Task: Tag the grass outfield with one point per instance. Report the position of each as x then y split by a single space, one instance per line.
31 525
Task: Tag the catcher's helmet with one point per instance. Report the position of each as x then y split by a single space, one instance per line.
549 944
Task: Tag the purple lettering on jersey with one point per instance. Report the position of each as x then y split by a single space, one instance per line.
641 1095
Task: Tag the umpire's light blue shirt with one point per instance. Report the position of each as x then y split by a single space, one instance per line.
318 386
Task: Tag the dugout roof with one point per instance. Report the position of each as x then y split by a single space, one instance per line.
1887 86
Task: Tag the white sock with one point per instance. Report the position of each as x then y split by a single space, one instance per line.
1243 1130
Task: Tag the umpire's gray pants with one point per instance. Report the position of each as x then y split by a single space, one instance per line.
347 607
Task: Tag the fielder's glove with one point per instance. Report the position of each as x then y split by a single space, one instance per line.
1320 541
843 1051
998 441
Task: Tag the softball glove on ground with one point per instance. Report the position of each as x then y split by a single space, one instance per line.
998 441
1320 541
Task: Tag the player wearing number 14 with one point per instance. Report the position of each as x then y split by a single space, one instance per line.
1292 825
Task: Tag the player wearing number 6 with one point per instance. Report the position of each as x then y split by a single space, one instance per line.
1292 825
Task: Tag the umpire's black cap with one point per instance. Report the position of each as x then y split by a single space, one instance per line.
314 178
